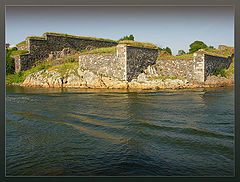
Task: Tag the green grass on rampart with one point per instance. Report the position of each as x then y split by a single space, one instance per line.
80 37
69 63
103 50
20 43
18 52
138 44
36 37
180 57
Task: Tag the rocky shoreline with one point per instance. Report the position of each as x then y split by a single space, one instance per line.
88 79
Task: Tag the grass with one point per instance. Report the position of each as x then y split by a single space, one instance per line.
18 52
21 76
180 57
20 43
138 44
220 52
230 70
101 50
36 37
80 37
216 52
63 68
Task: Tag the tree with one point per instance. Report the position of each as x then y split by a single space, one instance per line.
181 52
168 50
195 46
9 63
130 37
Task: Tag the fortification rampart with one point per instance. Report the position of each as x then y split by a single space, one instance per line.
176 68
125 65
215 62
194 70
40 47
138 59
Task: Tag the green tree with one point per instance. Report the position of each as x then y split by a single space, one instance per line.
168 50
181 52
195 46
130 37
9 62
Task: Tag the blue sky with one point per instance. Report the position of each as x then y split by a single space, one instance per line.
175 27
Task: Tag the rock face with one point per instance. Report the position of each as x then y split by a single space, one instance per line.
86 79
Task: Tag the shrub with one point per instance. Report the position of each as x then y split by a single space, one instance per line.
223 73
181 52
216 71
19 74
141 70
71 60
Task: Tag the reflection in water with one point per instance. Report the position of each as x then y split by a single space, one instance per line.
119 132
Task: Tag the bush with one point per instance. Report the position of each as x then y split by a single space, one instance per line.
216 71
181 52
71 60
223 73
19 74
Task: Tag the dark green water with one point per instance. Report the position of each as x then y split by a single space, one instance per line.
119 133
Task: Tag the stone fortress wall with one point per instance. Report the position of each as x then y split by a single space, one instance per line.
126 64
40 47
193 70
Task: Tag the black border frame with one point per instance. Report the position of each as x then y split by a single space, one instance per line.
234 3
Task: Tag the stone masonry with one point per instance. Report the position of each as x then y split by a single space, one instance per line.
194 70
126 64
40 48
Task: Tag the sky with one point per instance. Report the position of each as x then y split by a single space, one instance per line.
175 27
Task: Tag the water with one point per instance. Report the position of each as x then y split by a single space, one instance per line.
51 132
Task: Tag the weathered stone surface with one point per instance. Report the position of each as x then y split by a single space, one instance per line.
142 77
105 64
41 48
139 59
126 65
87 79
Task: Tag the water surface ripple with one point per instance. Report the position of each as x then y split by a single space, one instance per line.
119 133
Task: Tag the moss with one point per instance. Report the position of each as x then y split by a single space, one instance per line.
21 43
138 44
